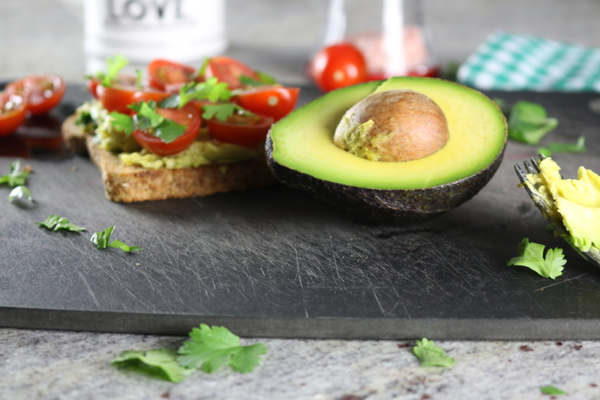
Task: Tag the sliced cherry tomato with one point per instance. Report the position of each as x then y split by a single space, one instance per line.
275 101
118 96
92 84
337 66
229 70
165 72
13 110
44 92
189 116
149 94
244 130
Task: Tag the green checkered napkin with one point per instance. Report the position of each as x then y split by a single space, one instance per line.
508 61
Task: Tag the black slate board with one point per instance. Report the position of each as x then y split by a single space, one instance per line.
276 263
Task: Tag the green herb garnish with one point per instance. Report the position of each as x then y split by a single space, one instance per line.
551 390
113 66
531 255
552 148
147 120
102 241
430 355
16 176
263 79
208 349
20 193
56 223
528 122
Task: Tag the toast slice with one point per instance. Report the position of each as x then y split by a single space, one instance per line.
126 184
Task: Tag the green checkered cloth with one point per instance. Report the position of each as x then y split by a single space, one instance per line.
508 61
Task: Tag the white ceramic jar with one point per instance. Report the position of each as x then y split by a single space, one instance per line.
141 30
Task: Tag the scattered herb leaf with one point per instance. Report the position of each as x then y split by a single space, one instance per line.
102 241
159 363
56 223
20 194
113 66
552 148
531 255
16 176
552 390
212 349
528 122
430 355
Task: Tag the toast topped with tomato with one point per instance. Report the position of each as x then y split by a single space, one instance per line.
188 133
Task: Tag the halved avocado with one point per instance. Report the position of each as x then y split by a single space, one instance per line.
301 154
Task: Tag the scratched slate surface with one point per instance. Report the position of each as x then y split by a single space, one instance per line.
276 263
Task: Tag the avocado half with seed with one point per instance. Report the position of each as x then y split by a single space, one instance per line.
302 154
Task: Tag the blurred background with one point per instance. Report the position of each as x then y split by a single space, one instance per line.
279 36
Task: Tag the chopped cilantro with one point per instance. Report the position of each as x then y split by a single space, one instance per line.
149 120
20 194
552 148
212 349
102 241
528 122
138 79
56 223
219 111
122 122
159 363
531 255
430 355
16 176
263 79
113 66
551 390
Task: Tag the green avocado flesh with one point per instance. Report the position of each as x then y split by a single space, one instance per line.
303 141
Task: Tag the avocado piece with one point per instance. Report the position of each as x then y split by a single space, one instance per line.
302 154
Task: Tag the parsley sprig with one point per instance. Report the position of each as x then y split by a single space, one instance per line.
113 66
56 223
16 176
102 241
430 355
149 120
531 255
208 349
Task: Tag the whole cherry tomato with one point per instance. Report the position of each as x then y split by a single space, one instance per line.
164 72
44 92
337 66
228 70
245 130
13 110
188 116
275 101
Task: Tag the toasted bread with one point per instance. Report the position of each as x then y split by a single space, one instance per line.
126 184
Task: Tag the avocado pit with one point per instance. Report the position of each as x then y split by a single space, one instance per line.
393 125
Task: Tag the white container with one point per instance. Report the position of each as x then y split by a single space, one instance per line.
179 30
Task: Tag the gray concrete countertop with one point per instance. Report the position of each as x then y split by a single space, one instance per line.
45 36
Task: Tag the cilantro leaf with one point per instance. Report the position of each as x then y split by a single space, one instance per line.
113 66
56 223
148 110
102 241
169 130
122 122
213 348
159 363
531 255
249 81
551 148
266 78
219 111
430 355
20 194
138 79
528 122
551 390
16 176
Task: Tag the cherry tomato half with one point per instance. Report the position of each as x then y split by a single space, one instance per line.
92 84
118 96
189 116
44 92
149 94
13 110
276 101
228 70
244 130
337 66
165 72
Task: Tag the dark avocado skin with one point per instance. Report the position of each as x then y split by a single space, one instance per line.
386 206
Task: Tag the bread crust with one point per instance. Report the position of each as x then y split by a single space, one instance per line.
126 184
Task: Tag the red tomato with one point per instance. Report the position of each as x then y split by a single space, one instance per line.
275 101
118 96
13 110
189 116
244 130
164 72
228 70
92 84
44 92
149 94
337 66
